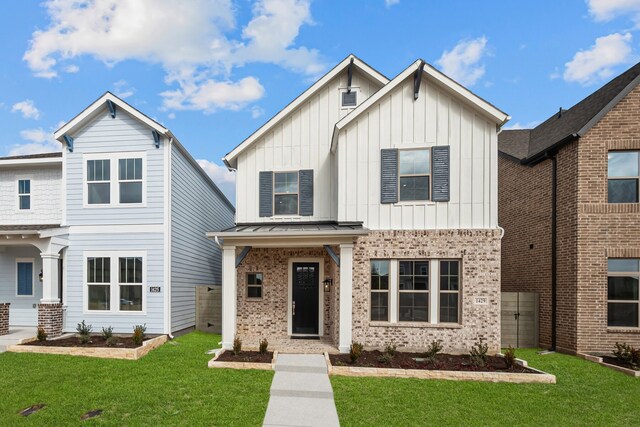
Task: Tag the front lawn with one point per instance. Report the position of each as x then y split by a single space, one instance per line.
585 394
170 386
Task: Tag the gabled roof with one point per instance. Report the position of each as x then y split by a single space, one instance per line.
491 111
357 62
568 125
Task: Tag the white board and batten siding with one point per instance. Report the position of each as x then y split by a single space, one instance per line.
301 140
436 118
197 208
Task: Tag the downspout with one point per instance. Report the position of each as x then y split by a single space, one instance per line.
554 249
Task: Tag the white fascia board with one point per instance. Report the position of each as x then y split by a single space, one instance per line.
230 158
27 162
499 117
88 112
286 234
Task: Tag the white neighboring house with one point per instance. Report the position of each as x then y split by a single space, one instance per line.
111 230
367 211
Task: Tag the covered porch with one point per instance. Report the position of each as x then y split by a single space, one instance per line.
288 283
31 278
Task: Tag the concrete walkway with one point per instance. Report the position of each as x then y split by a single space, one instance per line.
301 394
17 334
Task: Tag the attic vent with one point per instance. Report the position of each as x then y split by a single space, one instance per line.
349 99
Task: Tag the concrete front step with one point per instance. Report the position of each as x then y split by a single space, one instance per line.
303 363
301 411
295 384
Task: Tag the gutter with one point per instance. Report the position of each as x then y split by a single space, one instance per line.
552 150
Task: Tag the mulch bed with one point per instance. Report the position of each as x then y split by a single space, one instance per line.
615 361
444 362
96 341
246 356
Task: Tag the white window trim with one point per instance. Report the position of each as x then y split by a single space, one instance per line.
114 179
30 194
320 262
355 89
114 284
33 278
273 195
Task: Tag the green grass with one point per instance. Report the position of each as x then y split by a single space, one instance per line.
170 386
585 394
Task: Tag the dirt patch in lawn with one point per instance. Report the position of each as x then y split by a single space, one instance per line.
443 362
95 341
617 362
246 356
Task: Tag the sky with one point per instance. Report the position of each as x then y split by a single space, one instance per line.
214 71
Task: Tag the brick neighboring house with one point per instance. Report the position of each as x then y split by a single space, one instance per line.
588 158
367 211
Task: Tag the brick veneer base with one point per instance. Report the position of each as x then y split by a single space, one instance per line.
50 319
4 318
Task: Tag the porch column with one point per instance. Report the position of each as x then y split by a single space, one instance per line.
346 287
229 296
4 318
50 308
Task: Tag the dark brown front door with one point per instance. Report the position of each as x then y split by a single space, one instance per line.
305 288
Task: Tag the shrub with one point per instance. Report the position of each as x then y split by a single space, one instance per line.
432 351
42 335
139 334
390 349
237 346
627 354
112 341
510 357
263 346
355 351
84 332
107 333
385 358
479 352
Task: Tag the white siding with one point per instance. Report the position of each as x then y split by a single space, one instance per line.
46 185
300 141
196 208
397 121
22 312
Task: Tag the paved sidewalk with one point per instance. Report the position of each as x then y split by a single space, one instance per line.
16 335
301 394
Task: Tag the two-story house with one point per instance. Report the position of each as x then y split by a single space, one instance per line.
367 212
111 230
568 202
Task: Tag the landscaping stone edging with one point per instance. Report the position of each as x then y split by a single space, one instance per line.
213 363
100 352
510 377
600 361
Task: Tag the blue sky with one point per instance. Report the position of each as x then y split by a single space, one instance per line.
213 71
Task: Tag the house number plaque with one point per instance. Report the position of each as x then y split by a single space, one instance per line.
154 289
480 300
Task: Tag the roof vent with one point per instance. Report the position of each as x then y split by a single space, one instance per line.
560 112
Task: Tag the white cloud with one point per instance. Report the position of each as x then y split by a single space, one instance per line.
606 10
463 62
71 69
600 60
224 179
198 50
123 90
27 108
171 116
39 141
256 112
518 125
390 3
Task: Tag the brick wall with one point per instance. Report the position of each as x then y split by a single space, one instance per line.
4 318
50 319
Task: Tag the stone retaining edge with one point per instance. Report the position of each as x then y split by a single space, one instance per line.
598 360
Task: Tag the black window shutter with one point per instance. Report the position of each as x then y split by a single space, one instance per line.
440 174
266 194
389 176
306 192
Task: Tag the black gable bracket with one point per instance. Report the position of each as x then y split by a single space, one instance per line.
69 141
349 76
332 254
112 108
156 138
417 79
242 255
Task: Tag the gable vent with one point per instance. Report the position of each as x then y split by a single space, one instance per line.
349 99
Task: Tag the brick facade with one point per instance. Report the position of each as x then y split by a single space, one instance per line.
4 318
479 251
50 317
589 231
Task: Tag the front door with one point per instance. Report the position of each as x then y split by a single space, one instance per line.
305 288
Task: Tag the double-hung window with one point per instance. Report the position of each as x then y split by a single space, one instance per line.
98 182
99 283
130 180
380 290
623 300
254 285
624 176
285 193
130 283
449 291
24 194
413 291
414 174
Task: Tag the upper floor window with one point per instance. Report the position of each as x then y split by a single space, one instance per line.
623 299
414 173
98 182
285 193
130 180
24 194
624 176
